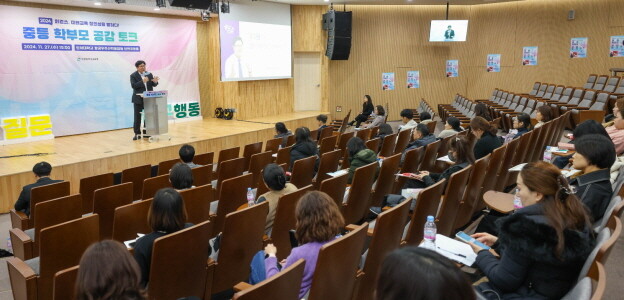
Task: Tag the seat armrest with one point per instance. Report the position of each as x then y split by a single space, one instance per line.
211 265
23 279
242 286
352 227
22 244
18 219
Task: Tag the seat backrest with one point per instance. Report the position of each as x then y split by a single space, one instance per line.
61 246
536 86
284 285
588 98
611 84
250 150
283 156
285 221
165 166
344 138
496 160
233 194
373 144
153 184
549 91
620 87
136 175
303 171
336 267
615 227
523 148
178 266
364 134
452 196
601 101
375 131
600 82
402 141
241 239
328 144
430 156
602 237
202 175
204 158
45 193
291 140
327 164
231 168
335 187
385 180
432 126
590 81
576 96
613 204
257 163
356 206
541 90
105 201
131 219
227 154
427 203
197 203
510 151
557 93
64 283
388 145
55 211
273 145
412 161
471 195
567 93
88 185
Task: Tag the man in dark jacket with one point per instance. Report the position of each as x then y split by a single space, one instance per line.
42 172
422 137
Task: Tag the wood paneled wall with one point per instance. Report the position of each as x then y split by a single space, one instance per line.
395 39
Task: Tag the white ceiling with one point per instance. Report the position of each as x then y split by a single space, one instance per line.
390 2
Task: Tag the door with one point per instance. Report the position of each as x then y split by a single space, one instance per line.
307 81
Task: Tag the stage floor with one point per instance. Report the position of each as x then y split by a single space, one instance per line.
75 157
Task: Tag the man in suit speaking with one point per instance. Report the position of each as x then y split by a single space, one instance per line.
141 81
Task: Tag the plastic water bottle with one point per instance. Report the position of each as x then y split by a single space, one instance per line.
9 245
250 197
430 233
517 203
547 154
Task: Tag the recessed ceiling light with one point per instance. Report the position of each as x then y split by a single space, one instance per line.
326 0
157 8
97 3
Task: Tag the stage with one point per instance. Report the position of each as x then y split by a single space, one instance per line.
79 156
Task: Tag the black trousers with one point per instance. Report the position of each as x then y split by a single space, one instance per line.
137 117
360 118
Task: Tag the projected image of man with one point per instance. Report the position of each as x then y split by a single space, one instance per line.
236 65
449 34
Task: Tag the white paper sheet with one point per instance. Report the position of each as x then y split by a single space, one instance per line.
338 173
454 250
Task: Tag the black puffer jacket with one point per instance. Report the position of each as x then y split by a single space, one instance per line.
528 267
303 150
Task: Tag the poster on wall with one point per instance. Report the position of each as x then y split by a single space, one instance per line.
617 46
75 66
387 81
529 56
493 62
578 47
413 79
452 68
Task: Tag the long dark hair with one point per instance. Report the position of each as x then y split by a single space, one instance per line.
589 127
411 273
302 134
562 208
380 110
463 146
479 123
167 212
369 100
355 145
274 177
482 111
108 271
546 112
455 124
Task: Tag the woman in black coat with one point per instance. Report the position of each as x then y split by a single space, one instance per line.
486 135
367 109
542 246
303 147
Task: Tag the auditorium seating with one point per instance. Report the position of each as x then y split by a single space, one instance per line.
335 188
38 194
64 283
136 175
257 163
427 203
88 185
385 180
453 194
373 144
356 205
285 221
202 175
105 201
233 194
303 171
283 286
197 203
153 184
131 219
328 163
250 150
165 166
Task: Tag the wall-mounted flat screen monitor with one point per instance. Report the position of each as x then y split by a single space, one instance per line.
448 30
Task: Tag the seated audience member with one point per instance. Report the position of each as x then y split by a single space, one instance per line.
380 117
187 153
451 127
384 130
275 179
485 133
359 156
421 137
521 125
543 115
303 147
585 128
166 215
107 271
367 109
461 155
542 246
407 117
282 132
42 172
322 123
414 273
594 156
425 118
319 221
181 177
481 110
616 132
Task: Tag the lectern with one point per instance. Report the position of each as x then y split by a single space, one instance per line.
155 114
